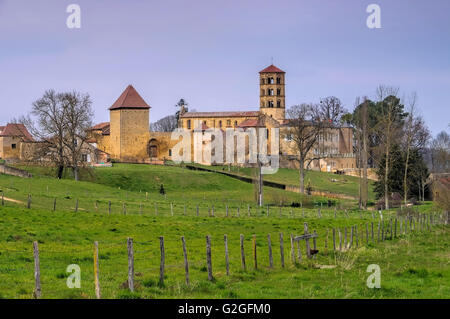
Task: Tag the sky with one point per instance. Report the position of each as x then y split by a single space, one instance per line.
210 52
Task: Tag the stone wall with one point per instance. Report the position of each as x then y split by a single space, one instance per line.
8 170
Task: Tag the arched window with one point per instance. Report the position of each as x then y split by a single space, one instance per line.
278 80
269 103
235 123
228 122
278 91
189 124
278 103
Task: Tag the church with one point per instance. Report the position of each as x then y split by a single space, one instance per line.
127 136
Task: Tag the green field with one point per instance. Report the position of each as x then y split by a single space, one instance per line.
319 181
413 265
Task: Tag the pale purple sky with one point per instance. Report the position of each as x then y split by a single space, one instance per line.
210 52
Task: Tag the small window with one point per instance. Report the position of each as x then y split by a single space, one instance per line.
278 80
270 80
13 146
228 122
189 124
278 103
220 123
278 91
84 157
235 123
170 152
269 103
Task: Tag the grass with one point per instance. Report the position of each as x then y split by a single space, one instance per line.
413 266
319 181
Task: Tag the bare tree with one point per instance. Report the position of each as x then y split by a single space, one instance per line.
304 128
166 124
416 136
331 109
389 113
361 133
48 126
440 153
78 120
60 122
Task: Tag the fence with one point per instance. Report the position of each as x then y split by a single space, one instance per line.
342 240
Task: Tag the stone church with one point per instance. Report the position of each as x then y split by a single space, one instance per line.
127 136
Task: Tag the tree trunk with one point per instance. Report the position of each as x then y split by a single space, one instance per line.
75 173
302 175
405 186
60 171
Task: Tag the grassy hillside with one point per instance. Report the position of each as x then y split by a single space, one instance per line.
319 181
129 183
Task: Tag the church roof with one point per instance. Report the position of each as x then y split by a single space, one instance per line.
221 114
17 130
129 99
272 69
251 123
100 126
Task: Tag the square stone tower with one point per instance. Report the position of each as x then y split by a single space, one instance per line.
129 127
272 92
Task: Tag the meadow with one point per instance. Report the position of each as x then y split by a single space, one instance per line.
413 265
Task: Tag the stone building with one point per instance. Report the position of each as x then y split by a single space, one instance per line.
14 140
127 137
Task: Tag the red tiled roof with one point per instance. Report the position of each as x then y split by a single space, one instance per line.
18 130
129 99
251 123
100 126
221 114
1 128
272 69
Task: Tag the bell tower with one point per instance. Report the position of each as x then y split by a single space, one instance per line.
272 92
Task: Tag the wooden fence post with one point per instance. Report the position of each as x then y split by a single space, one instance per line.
334 212
124 208
308 248
96 271
255 257
367 233
292 249
37 271
395 228
212 211
227 262
171 208
248 210
242 252
208 258
29 201
238 212
76 205
226 210
281 250
197 210
334 239
163 260
340 239
326 243
186 264
140 208
351 238
270 251
267 210
130 264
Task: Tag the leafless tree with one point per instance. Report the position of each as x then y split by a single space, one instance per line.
440 153
415 136
304 128
361 127
60 122
78 120
388 127
331 109
166 124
